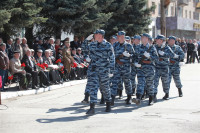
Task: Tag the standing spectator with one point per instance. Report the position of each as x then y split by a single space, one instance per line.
190 49
9 49
195 51
24 45
39 45
57 45
16 69
68 60
51 46
4 64
17 47
75 44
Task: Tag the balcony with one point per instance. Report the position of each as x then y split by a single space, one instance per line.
183 2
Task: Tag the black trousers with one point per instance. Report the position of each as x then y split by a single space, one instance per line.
34 75
43 78
189 56
195 56
22 79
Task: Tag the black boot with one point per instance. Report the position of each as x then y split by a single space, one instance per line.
113 100
108 107
151 97
86 99
91 111
137 100
166 97
128 100
180 92
120 94
102 99
155 98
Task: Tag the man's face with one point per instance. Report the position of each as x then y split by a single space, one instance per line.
171 42
28 53
24 41
74 52
79 51
17 55
67 44
51 41
98 37
39 54
144 40
121 38
40 42
159 42
10 41
136 41
75 38
47 54
18 41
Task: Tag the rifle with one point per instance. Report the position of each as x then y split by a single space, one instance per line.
120 56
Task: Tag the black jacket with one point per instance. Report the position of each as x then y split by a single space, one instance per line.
27 62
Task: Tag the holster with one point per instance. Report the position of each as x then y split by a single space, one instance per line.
171 61
160 59
119 62
146 62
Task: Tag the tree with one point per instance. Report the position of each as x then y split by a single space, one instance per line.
131 16
73 16
23 14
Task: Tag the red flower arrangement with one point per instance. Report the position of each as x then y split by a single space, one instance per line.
43 66
46 65
23 65
10 77
58 61
74 65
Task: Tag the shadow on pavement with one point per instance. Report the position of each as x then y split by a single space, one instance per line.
78 108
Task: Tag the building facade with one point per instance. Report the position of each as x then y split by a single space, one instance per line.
182 18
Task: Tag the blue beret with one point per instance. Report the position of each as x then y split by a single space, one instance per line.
100 31
121 33
146 35
172 37
113 37
150 38
137 37
127 38
162 37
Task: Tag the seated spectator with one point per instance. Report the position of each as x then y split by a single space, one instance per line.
79 53
53 74
79 69
39 59
4 64
16 69
32 69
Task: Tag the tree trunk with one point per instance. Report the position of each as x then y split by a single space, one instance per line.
29 36
58 33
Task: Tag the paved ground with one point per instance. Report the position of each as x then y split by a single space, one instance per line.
60 111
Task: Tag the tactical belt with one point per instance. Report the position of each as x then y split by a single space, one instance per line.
119 62
146 62
160 59
171 61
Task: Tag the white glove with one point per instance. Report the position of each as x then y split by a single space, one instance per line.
161 52
125 53
176 56
110 75
90 37
88 59
146 54
137 65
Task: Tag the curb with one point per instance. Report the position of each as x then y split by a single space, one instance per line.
8 95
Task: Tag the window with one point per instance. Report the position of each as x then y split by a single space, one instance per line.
190 15
196 15
185 13
166 11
